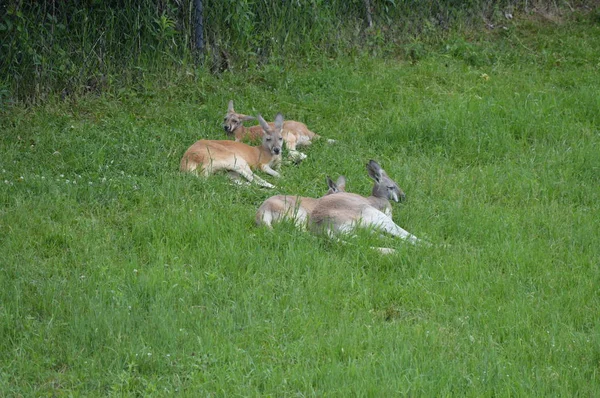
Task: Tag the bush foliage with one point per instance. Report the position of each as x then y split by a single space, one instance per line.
88 46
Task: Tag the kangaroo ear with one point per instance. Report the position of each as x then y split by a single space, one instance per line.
341 184
279 121
245 118
230 107
375 171
263 124
332 186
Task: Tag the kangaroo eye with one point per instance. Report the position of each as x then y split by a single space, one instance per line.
268 138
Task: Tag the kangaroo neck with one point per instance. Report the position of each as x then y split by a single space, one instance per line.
264 154
240 131
379 203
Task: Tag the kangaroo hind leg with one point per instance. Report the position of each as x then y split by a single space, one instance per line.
379 220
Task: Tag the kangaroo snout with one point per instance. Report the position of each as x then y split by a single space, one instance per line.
397 196
276 151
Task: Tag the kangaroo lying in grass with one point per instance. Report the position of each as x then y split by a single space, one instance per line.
295 208
237 158
342 212
294 133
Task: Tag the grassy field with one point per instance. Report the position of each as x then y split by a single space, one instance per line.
120 276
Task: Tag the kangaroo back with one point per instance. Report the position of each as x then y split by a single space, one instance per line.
296 208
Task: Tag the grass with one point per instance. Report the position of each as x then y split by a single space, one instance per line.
120 276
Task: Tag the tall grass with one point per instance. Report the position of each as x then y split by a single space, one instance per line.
120 276
78 48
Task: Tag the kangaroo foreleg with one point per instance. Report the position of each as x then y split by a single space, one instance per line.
262 182
244 171
267 169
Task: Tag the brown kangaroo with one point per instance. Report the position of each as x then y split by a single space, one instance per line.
237 158
294 133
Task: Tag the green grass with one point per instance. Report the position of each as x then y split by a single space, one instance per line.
120 276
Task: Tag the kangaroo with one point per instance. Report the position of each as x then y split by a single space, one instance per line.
294 133
342 212
210 156
295 208
233 123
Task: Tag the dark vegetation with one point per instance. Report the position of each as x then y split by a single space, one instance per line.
72 48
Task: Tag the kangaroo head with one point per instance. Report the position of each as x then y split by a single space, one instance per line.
232 120
338 186
272 139
384 186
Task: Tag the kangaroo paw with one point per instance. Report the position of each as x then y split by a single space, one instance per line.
296 156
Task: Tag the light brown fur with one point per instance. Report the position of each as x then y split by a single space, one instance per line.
239 159
295 208
294 133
